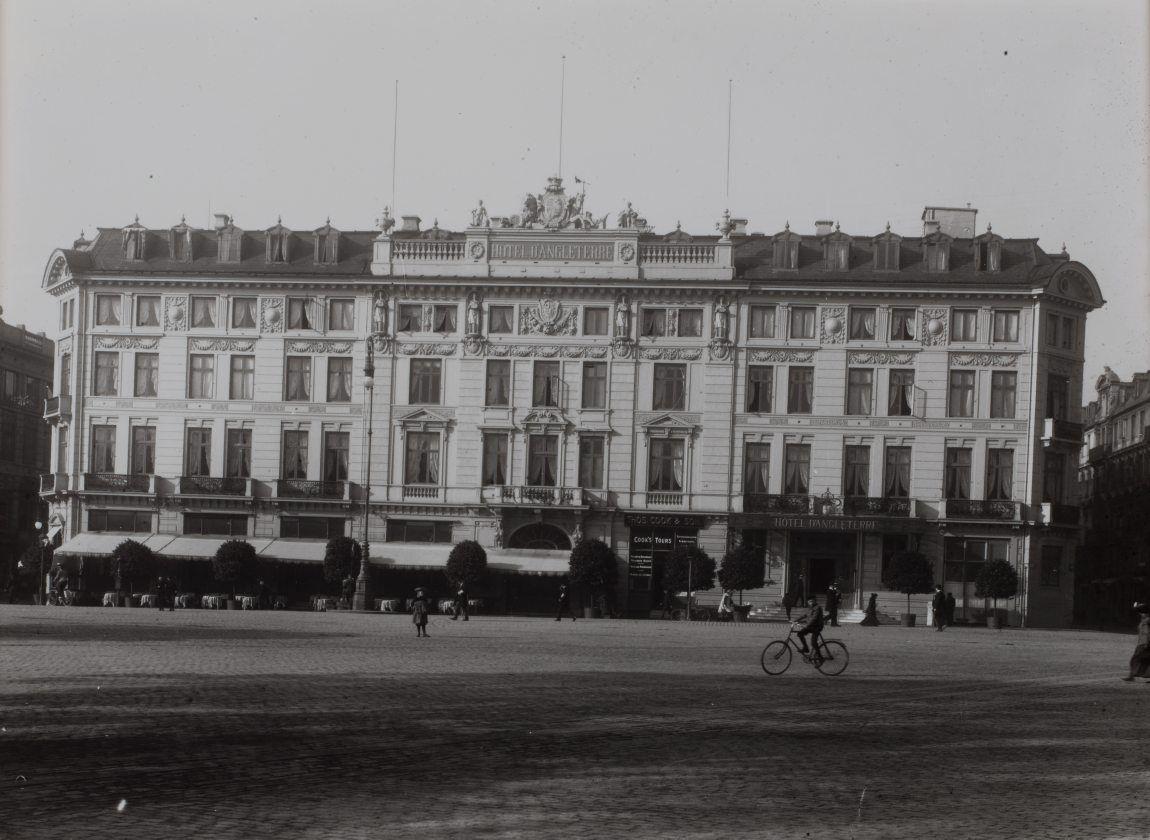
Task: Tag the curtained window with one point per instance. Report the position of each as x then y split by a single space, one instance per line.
690 323
65 374
666 465
836 255
1005 325
762 322
900 400
886 257
147 374
957 477
760 383
1054 478
201 377
654 323
443 319
1057 396
295 454
203 312
339 379
543 460
785 253
103 448
148 311
409 318
425 379
545 384
856 476
800 389
421 464
594 385
494 458
756 475
896 483
1003 391
1068 339
335 455
143 450
999 474
862 323
797 473
961 403
299 378
341 315
964 325
591 462
501 319
803 322
107 310
902 324
243 313
860 391
242 383
498 391
987 255
107 371
670 388
301 314
198 458
239 453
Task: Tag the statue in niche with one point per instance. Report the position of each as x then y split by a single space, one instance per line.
472 323
479 216
577 534
622 318
722 311
379 313
497 537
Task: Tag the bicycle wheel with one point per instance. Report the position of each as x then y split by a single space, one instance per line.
776 658
835 658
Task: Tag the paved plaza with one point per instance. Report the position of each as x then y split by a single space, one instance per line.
135 723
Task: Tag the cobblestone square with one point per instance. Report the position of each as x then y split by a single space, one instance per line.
135 723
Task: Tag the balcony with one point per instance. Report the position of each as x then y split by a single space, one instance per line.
298 488
665 500
1061 431
872 506
54 483
774 503
119 483
996 509
533 496
203 485
1058 514
422 492
58 408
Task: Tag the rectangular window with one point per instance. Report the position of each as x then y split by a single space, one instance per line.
1003 390
65 374
409 317
886 256
443 319
147 374
690 323
594 385
961 400
1051 330
243 313
761 322
341 315
1000 474
1068 338
143 461
501 320
760 385
198 454
238 463
591 462
856 476
421 462
202 377
757 472
964 325
802 322
1051 574
494 459
666 466
335 455
425 378
311 527
670 388
896 477
295 453
1054 478
862 323
595 320
338 379
800 389
797 472
203 312
1005 325
900 399
131 521
107 373
902 324
103 448
956 480
301 314
242 382
107 310
543 460
1057 397
8 421
860 391
298 385
148 311
498 390
654 323
215 524
399 530
545 384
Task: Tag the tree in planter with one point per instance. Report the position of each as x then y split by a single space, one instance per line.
132 562
688 569
235 561
595 567
341 560
911 573
466 564
743 568
996 579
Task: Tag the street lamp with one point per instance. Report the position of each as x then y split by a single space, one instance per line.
360 601
41 542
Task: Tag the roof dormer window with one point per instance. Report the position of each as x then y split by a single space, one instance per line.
278 242
786 249
886 250
180 242
135 240
230 243
988 251
836 251
936 251
327 244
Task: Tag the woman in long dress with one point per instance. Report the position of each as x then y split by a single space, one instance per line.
419 613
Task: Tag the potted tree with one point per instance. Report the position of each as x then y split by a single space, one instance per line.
466 566
996 579
234 561
688 568
594 567
131 562
911 573
742 568
341 560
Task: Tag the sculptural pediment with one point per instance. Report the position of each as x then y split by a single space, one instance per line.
551 209
424 418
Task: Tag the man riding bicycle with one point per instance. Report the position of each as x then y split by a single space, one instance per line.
810 624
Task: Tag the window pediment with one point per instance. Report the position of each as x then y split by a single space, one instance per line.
424 420
670 424
545 420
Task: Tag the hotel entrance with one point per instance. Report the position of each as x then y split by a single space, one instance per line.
822 558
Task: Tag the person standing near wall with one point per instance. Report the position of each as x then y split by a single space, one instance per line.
938 607
1140 661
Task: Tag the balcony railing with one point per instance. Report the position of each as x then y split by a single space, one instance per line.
298 488
203 485
1061 430
1058 514
658 499
875 506
528 494
54 483
58 407
774 503
421 491
677 254
1006 511
119 483
427 250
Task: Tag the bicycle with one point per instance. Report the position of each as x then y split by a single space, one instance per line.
830 657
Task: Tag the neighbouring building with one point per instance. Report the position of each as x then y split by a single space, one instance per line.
546 376
25 380
1113 566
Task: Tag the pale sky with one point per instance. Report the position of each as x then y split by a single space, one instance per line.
1034 112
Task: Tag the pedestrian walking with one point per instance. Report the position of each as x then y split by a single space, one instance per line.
871 617
789 601
1140 661
950 607
347 591
565 607
419 609
727 606
938 605
668 606
460 605
834 598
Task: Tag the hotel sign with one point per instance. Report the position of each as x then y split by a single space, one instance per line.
554 251
824 523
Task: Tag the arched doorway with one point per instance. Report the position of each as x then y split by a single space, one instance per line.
540 535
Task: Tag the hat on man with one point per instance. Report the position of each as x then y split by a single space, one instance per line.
1142 607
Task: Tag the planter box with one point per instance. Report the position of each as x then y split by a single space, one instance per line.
589 612
233 604
908 619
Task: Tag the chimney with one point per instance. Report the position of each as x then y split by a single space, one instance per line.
823 227
410 224
929 226
740 227
956 222
222 221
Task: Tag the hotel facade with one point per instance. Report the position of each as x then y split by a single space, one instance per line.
539 378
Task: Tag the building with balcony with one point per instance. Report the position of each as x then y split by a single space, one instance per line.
1113 566
547 376
25 379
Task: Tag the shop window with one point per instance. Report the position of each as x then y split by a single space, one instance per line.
215 524
414 530
132 521
312 527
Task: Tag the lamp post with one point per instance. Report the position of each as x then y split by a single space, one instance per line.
360 601
41 544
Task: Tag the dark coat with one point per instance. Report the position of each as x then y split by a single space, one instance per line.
419 611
